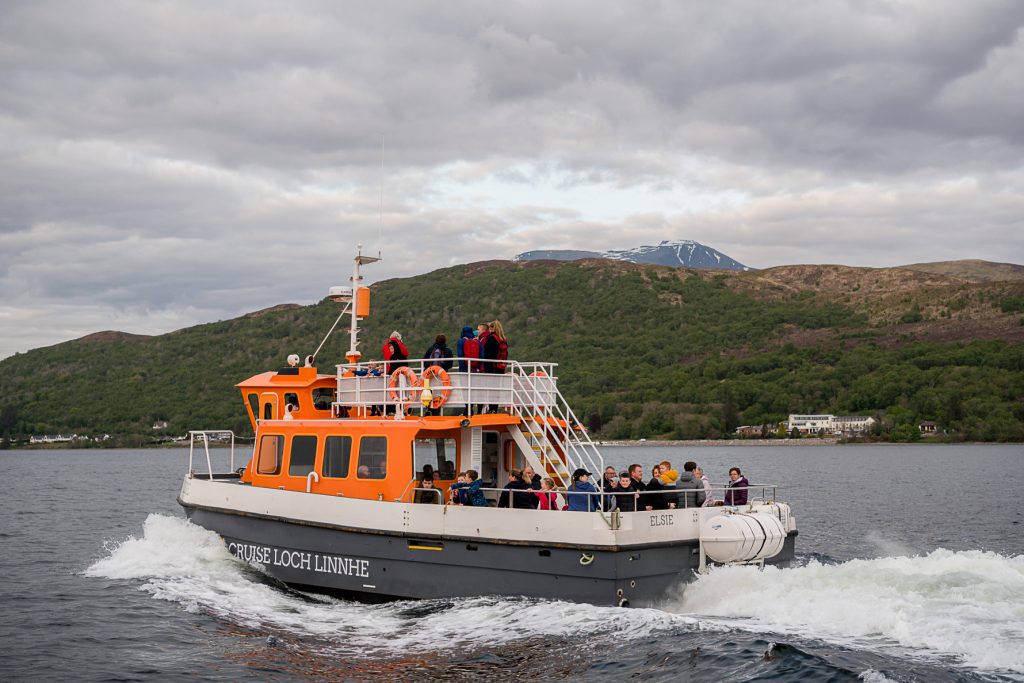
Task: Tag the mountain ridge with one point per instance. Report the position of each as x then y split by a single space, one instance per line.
666 253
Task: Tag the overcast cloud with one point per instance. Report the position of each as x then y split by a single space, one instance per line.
169 163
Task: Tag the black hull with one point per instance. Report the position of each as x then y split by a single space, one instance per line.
375 566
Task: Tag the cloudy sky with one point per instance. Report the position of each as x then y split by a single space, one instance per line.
167 163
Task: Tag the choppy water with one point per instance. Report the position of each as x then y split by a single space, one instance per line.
912 569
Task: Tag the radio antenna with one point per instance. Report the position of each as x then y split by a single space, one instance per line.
380 209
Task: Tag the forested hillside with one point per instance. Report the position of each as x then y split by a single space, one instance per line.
645 351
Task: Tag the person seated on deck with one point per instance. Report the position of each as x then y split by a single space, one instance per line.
426 492
474 496
514 492
547 495
736 489
655 501
626 494
691 493
579 497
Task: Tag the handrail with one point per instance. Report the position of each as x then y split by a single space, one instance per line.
204 435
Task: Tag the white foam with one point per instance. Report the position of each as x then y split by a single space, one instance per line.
969 605
183 563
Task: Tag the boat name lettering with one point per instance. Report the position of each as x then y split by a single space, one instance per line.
662 520
298 559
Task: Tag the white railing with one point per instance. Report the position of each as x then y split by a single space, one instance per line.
204 436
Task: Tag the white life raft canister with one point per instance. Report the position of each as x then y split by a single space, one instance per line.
742 537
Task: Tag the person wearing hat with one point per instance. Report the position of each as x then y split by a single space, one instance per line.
579 497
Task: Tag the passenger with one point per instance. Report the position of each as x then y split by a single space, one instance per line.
531 478
426 492
514 492
579 498
467 347
709 496
607 485
438 352
655 501
395 353
548 496
458 495
363 472
626 494
372 370
636 473
474 496
428 472
381 470
669 479
448 472
691 493
501 354
736 489
483 332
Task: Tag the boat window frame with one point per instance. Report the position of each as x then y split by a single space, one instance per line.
291 453
260 452
330 392
347 461
417 470
252 400
359 457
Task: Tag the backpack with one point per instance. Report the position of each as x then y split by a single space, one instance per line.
502 353
436 353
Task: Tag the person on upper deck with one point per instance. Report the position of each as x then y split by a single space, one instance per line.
518 489
395 353
467 347
438 353
736 489
578 498
473 495
691 490
499 343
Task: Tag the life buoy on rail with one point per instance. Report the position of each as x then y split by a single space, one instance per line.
395 391
440 397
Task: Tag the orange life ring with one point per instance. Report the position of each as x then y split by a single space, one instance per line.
411 379
441 397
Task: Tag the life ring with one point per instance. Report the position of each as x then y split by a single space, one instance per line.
440 397
412 382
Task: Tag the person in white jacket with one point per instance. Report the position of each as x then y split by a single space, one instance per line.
709 498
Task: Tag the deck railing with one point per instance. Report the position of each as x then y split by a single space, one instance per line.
204 436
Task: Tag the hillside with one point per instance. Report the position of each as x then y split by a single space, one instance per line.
646 351
972 270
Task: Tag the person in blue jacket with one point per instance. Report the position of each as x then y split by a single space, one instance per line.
472 489
577 496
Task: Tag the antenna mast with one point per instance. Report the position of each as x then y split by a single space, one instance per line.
359 309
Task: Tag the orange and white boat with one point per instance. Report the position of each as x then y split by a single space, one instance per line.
330 498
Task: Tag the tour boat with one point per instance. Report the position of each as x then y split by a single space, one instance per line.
330 500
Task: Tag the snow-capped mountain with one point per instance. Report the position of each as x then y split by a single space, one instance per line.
669 253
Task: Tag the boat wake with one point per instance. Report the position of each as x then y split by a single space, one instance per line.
186 564
946 607
965 607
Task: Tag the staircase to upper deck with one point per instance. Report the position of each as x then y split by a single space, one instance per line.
550 436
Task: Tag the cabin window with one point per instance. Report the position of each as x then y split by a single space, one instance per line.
303 456
254 405
373 457
337 450
269 458
291 398
268 411
322 398
438 454
514 458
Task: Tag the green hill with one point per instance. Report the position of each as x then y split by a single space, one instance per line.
645 351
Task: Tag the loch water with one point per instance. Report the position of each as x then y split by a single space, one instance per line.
910 568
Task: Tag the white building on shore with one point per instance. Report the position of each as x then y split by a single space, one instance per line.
842 425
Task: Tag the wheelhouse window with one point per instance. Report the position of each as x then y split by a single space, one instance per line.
337 451
303 456
322 398
269 458
254 405
291 398
373 457
436 454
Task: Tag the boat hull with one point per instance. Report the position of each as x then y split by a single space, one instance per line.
383 565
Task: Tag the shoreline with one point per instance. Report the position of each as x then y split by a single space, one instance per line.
703 443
